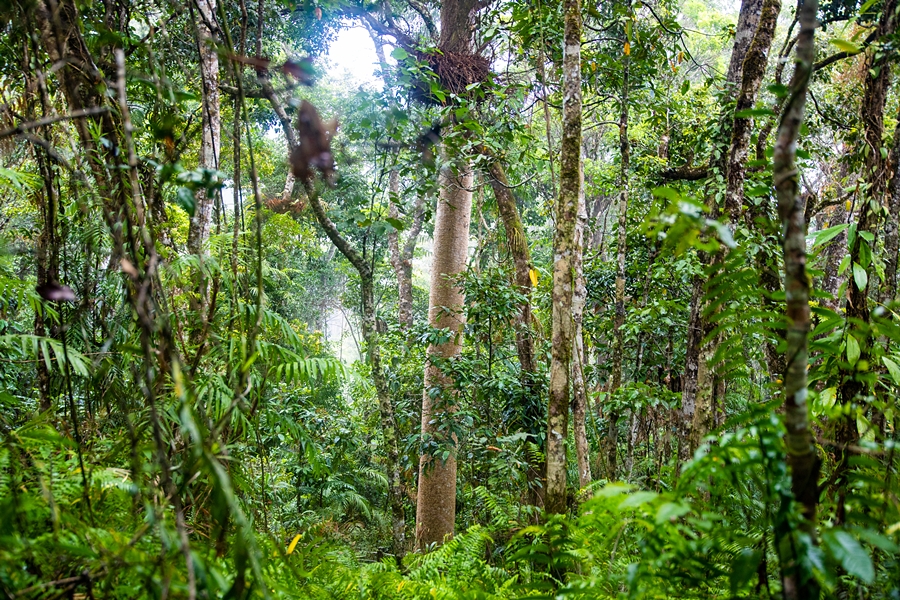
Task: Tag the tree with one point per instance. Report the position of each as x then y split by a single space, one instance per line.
436 501
565 251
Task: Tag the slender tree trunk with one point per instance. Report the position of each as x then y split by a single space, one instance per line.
532 411
837 248
565 249
401 257
698 380
389 429
802 456
210 142
612 441
436 502
47 263
579 391
891 231
853 385
753 69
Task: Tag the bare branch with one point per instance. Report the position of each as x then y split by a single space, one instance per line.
75 114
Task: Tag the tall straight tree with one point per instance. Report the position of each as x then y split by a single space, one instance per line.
211 137
854 381
697 381
618 333
565 250
802 456
436 500
517 243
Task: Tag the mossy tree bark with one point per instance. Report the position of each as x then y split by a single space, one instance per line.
210 142
532 411
854 387
565 249
802 457
699 382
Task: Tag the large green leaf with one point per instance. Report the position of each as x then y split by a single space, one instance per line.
850 554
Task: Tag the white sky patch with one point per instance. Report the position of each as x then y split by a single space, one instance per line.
353 56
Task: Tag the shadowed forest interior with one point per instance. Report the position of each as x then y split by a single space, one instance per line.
482 299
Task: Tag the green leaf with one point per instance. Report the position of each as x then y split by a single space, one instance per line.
893 368
779 89
844 264
637 499
667 193
395 223
743 568
184 198
846 46
399 53
670 511
826 235
860 276
754 112
852 350
847 551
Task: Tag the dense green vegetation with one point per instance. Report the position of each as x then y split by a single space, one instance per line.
459 331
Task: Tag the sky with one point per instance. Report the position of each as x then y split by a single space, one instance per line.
354 52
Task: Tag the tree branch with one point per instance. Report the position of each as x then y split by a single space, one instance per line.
686 173
75 114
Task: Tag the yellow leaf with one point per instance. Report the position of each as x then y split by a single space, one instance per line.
680 57
293 543
627 49
533 275
849 205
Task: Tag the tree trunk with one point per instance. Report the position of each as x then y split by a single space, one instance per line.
612 441
389 429
697 382
532 411
853 385
565 249
802 456
579 392
753 69
436 502
891 231
401 258
837 249
198 232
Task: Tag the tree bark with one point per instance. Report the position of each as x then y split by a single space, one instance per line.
210 142
579 391
753 69
891 231
837 248
853 387
565 249
401 257
532 411
802 456
697 382
436 501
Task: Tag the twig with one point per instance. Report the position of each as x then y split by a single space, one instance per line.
76 114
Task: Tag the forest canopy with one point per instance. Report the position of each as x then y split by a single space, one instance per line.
565 300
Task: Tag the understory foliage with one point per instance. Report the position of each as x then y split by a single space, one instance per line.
245 420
